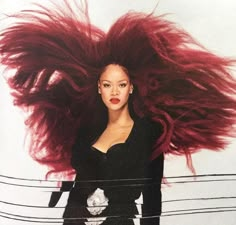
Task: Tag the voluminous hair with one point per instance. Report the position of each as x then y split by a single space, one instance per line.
58 56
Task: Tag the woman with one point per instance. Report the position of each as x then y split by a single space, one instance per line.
180 103
113 166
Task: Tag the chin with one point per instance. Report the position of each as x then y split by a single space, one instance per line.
117 107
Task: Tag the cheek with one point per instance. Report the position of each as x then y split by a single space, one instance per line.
125 94
104 94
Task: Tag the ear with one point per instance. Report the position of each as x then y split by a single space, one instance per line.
131 89
99 88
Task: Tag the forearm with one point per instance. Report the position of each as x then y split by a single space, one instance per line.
55 196
152 198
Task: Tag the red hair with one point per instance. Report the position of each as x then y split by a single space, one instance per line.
58 58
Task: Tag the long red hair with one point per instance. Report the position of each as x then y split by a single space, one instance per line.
58 56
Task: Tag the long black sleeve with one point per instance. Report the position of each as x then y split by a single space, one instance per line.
55 196
66 185
151 208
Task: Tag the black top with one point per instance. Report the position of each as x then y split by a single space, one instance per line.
121 174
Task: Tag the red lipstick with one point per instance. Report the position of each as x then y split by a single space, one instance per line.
114 100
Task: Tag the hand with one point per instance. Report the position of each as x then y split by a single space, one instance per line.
95 220
97 199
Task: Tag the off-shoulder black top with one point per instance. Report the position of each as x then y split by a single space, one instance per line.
121 175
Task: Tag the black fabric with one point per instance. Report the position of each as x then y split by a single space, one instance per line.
123 173
55 196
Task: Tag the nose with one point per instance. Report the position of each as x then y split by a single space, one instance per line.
115 90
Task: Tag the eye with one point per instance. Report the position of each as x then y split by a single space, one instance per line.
123 85
105 85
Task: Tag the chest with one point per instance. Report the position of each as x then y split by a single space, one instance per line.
112 137
125 157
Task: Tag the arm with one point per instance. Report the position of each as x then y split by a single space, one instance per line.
66 185
55 196
152 193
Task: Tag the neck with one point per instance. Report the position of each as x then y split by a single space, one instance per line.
120 117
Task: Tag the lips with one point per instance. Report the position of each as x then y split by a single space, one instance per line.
114 100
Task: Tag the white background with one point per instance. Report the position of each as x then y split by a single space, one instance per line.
212 23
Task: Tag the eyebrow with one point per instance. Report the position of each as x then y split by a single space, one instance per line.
118 81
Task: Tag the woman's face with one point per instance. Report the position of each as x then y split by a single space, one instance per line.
115 87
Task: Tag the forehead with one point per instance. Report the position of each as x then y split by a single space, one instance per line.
114 72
